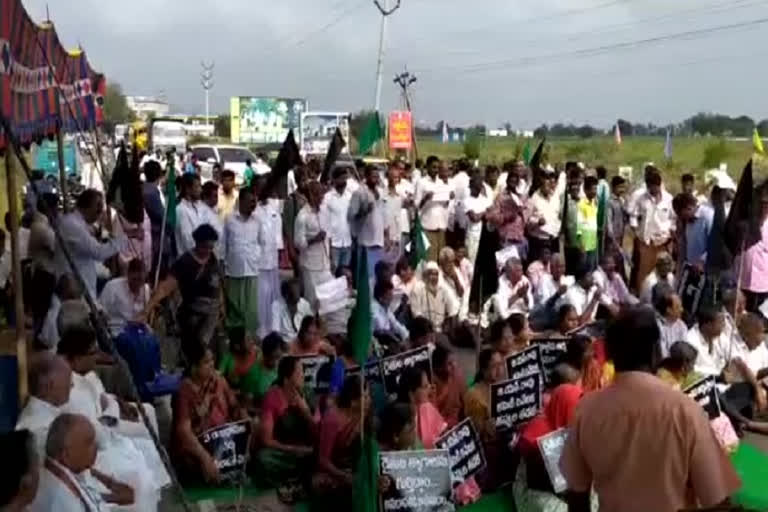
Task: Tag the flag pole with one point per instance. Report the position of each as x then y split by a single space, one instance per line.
739 277
162 242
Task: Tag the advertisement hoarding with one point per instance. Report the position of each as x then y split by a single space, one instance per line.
317 129
400 130
265 120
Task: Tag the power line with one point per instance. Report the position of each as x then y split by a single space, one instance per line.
338 19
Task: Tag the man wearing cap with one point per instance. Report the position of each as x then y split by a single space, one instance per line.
433 301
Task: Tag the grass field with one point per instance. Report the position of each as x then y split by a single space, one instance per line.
691 154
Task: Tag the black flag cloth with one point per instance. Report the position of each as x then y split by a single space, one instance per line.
741 227
485 278
537 173
288 158
124 193
334 150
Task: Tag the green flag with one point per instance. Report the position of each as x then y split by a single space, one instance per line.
361 329
527 152
603 194
371 134
418 252
365 495
170 194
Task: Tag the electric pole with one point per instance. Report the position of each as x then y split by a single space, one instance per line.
206 80
385 11
404 80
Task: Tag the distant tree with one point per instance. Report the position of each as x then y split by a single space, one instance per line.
508 127
762 127
625 127
472 146
715 153
222 126
116 109
585 131
541 131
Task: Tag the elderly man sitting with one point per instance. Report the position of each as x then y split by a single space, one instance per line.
434 302
515 294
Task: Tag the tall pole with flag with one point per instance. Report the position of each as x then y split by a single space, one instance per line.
668 144
445 132
617 134
757 142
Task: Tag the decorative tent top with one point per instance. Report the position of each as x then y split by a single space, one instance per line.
42 85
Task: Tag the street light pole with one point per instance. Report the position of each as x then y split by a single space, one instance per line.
206 80
385 11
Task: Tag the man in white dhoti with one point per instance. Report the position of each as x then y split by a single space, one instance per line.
269 216
68 480
312 242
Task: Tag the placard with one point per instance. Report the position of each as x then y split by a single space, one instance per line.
372 371
515 401
505 254
393 366
311 366
525 363
551 351
551 448
690 287
704 391
465 450
332 295
400 130
228 445
420 481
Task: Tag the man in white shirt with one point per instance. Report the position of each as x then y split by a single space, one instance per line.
545 220
289 311
432 301
706 337
124 298
88 253
585 297
333 211
433 194
241 264
393 215
366 217
515 294
385 325
653 222
454 279
475 204
404 186
190 213
270 221
662 273
311 239
669 313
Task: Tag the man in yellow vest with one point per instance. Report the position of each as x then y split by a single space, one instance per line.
586 224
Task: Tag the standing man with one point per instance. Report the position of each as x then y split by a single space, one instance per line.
695 223
210 197
393 218
586 224
311 239
189 212
87 252
334 211
615 223
433 193
367 218
476 205
509 213
270 244
653 222
154 205
227 195
42 253
545 221
641 434
241 264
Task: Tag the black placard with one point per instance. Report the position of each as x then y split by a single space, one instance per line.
551 448
311 366
228 445
372 371
420 481
690 288
551 350
525 363
393 366
515 401
704 391
465 450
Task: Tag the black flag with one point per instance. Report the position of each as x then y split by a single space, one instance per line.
124 192
288 158
537 173
741 228
485 278
334 150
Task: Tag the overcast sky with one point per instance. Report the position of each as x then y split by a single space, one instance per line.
477 61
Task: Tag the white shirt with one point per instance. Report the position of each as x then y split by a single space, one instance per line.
402 289
434 213
384 321
435 307
646 290
270 235
451 287
189 216
505 293
54 494
708 362
241 245
405 190
392 216
49 332
334 210
37 417
652 220
477 205
210 216
669 334
580 298
120 304
460 184
283 324
87 252
5 268
756 359
368 229
546 287
312 256
548 208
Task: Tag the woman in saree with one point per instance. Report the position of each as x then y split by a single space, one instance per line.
309 341
414 389
477 407
204 401
339 447
288 431
450 385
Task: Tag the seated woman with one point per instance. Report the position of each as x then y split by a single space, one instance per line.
288 429
450 385
567 320
580 354
414 389
204 401
339 447
677 369
345 361
510 336
309 341
477 406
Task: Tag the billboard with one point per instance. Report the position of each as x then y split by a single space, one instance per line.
265 120
400 130
318 128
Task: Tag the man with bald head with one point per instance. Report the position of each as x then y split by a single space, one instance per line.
68 480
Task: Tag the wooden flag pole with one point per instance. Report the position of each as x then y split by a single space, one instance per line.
13 209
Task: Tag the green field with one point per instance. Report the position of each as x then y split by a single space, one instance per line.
691 154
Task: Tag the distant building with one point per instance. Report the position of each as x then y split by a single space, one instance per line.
143 106
498 133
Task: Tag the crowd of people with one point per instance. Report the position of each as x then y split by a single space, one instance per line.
244 294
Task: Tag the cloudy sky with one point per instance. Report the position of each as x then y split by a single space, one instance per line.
479 61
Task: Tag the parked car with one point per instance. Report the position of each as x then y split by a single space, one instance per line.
230 157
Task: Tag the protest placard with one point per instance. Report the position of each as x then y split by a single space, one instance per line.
311 366
393 366
551 351
420 481
228 445
525 363
690 288
332 295
372 371
505 254
465 450
704 391
515 401
551 448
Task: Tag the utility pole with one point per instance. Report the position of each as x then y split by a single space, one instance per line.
206 80
385 11
404 80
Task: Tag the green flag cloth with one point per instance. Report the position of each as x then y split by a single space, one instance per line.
361 329
170 194
418 252
365 495
603 194
371 134
527 152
